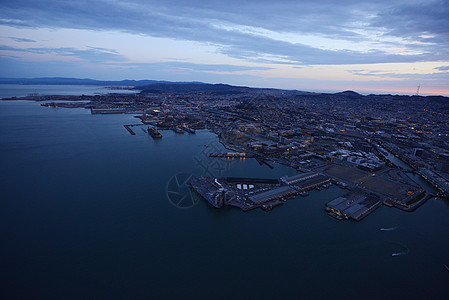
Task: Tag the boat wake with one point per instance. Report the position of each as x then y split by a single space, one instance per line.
402 252
399 253
389 229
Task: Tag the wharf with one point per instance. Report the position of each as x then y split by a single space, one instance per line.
230 155
355 205
242 205
128 127
241 180
107 111
412 204
282 192
307 181
270 205
244 193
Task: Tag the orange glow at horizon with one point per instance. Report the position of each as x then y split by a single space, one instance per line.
392 90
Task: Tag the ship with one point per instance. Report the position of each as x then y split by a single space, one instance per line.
155 134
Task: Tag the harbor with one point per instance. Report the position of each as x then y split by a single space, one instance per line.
366 191
369 185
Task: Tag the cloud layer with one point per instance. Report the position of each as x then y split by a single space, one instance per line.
251 29
259 35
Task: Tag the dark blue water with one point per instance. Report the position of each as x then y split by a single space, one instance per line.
84 212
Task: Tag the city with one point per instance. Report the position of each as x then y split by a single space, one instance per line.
347 139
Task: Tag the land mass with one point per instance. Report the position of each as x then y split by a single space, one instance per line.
342 138
79 81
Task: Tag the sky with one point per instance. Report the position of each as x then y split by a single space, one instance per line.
367 46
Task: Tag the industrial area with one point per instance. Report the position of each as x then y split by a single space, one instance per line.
251 193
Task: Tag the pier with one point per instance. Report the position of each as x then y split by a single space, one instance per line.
240 180
244 193
230 155
128 127
355 205
307 181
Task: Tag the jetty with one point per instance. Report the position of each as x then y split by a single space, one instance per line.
128 127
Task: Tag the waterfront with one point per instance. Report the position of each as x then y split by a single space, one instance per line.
85 212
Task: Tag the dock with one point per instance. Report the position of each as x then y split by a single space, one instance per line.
230 155
244 193
107 111
307 181
283 192
128 127
355 205
253 181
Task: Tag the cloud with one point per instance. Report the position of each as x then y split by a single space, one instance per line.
12 67
103 50
381 74
91 54
205 67
426 21
250 29
442 68
116 60
186 67
22 40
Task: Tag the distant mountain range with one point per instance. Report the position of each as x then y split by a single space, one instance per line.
194 87
81 81
155 86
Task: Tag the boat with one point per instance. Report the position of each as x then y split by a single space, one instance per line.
155 134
